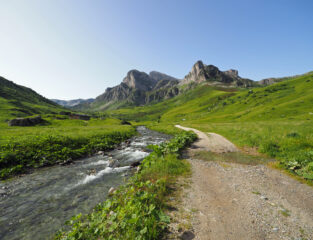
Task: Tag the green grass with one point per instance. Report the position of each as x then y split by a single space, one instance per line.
156 112
136 210
276 120
19 101
25 148
290 142
288 100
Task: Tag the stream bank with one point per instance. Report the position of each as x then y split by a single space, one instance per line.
38 204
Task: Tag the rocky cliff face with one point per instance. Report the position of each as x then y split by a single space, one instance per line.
139 80
161 76
138 88
211 74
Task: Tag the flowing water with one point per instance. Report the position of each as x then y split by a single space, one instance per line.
36 205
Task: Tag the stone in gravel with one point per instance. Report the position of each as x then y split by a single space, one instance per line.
264 198
187 235
275 229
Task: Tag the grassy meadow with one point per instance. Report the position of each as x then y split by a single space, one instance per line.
276 120
57 141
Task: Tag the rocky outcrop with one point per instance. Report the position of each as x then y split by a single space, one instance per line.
138 88
139 80
211 74
161 76
232 73
268 81
31 121
196 74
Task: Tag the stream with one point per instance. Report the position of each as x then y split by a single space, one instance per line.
36 205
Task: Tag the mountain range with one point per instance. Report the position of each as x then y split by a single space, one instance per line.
136 89
72 103
139 88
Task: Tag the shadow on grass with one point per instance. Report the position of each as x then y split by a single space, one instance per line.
233 157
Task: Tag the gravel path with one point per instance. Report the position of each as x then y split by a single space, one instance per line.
237 202
211 141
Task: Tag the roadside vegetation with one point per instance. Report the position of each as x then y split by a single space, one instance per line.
57 142
290 142
136 210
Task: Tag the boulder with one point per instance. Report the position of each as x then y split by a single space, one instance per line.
111 191
100 152
112 163
124 122
31 121
135 164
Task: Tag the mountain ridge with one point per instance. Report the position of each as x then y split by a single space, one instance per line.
72 102
201 72
20 101
139 88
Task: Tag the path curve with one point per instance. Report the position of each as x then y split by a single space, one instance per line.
211 141
230 201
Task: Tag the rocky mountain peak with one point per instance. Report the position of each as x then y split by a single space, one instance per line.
197 67
139 80
232 72
212 75
198 73
139 88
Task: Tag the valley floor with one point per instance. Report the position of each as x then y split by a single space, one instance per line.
234 201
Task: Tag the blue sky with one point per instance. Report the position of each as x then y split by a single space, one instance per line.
77 48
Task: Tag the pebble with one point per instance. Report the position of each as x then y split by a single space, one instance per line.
275 229
187 235
111 190
264 198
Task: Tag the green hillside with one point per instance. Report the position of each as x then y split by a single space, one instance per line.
276 120
290 99
58 139
19 101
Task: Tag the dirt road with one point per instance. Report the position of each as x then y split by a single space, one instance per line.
237 202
